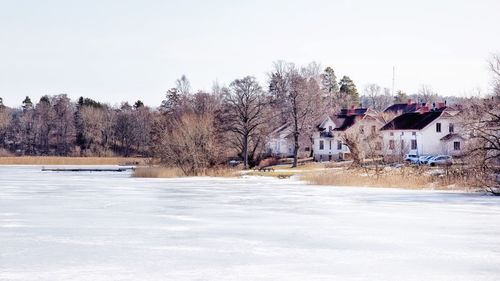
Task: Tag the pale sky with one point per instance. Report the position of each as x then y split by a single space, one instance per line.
117 51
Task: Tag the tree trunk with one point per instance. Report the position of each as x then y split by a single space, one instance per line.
245 152
296 149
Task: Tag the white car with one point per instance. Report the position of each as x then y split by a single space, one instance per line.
412 158
441 160
424 159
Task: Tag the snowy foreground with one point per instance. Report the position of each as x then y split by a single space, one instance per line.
108 226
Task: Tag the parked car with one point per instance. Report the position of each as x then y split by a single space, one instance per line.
412 158
441 160
234 163
424 159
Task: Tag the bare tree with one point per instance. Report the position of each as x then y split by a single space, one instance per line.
125 129
5 120
426 94
183 85
64 127
481 124
299 100
44 123
192 144
374 98
494 65
244 105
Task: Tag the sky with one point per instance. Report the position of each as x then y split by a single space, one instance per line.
116 51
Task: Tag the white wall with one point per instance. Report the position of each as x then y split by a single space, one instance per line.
327 151
333 152
428 139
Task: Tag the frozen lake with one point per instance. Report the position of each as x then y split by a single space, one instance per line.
108 226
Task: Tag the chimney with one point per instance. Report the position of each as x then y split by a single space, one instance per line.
423 109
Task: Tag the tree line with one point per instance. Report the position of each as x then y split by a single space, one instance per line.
193 130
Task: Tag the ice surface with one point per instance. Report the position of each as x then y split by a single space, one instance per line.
108 226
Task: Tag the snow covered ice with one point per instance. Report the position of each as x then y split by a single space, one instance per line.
109 226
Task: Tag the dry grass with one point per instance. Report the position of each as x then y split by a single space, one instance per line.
399 178
309 166
172 172
54 160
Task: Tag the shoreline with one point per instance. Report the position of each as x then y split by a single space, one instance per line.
313 174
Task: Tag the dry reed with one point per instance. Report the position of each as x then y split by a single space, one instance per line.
173 172
403 178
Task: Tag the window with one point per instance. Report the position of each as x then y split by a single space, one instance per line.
438 127
330 128
402 133
391 134
413 133
391 144
378 146
456 145
413 144
452 128
374 129
339 145
330 145
402 144
321 145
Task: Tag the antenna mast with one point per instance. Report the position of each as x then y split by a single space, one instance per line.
393 79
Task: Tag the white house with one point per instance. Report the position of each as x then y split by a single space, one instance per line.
425 132
280 142
328 140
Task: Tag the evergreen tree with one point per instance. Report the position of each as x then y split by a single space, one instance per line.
348 90
138 104
27 103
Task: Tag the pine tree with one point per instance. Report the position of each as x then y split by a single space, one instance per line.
138 104
27 103
348 90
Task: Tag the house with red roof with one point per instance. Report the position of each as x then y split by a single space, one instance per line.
424 132
329 139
